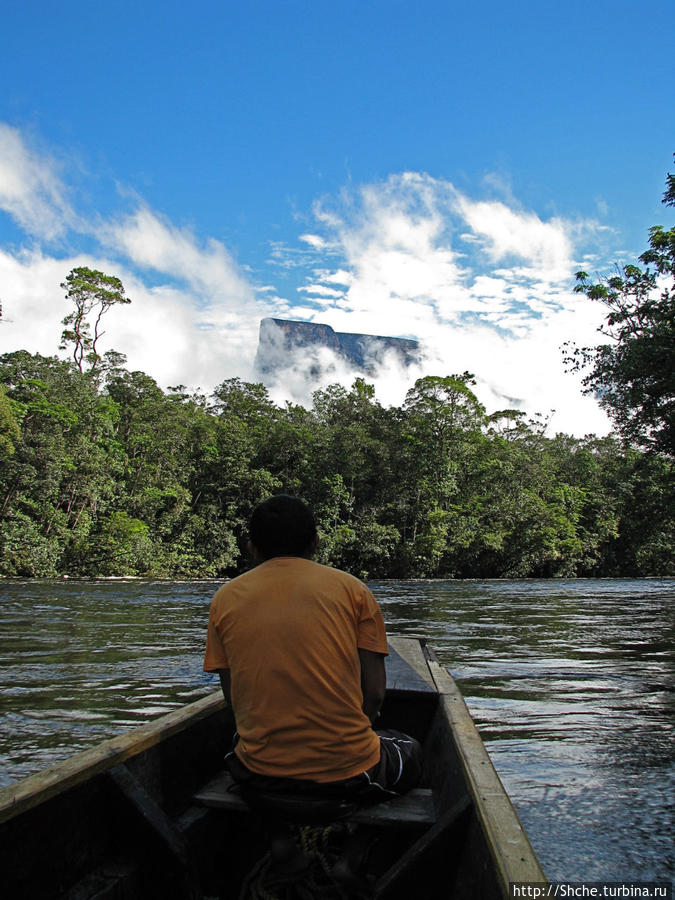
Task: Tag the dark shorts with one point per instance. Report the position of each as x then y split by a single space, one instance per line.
399 770
400 765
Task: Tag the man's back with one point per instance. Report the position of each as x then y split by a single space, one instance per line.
290 631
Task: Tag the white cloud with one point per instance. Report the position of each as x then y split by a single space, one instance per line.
408 239
341 276
321 289
418 258
169 334
30 190
314 240
153 243
33 303
212 324
506 232
166 332
198 327
483 284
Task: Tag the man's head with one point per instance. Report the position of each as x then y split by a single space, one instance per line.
283 526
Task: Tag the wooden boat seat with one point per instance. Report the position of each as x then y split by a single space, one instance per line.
415 808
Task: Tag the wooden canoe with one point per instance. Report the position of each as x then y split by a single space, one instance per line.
139 816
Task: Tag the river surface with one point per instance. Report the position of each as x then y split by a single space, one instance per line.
570 683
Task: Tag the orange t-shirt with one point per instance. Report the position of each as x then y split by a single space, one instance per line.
289 630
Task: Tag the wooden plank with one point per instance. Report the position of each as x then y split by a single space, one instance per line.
107 882
507 841
161 825
218 793
150 811
422 845
411 809
407 668
35 789
414 808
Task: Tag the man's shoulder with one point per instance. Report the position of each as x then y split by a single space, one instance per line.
232 584
296 566
330 573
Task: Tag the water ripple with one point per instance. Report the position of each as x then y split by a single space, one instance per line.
570 683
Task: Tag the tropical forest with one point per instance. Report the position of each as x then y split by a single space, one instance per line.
104 473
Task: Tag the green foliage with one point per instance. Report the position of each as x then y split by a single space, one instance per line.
633 376
104 473
25 548
93 293
119 545
9 427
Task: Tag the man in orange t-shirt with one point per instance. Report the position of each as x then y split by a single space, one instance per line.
299 648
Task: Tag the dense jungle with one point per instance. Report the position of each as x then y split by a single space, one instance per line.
104 473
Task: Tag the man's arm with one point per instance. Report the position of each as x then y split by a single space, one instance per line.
226 686
373 682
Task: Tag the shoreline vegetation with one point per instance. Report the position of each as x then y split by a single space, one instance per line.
102 473
216 579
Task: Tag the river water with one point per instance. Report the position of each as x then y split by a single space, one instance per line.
570 683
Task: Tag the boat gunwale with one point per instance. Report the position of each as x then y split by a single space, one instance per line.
506 842
21 796
32 790
505 836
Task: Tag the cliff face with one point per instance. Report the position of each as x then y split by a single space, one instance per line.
279 338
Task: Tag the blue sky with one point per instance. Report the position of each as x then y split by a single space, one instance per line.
431 170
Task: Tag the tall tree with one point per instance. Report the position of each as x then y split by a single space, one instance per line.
9 428
92 294
442 431
634 375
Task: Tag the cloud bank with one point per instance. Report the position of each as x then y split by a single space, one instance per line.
484 285
30 188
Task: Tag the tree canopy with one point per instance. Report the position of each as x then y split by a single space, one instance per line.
102 472
633 375
93 293
114 476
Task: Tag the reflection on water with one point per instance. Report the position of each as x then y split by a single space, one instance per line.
82 661
570 682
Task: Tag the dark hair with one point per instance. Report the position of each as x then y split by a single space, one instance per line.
282 526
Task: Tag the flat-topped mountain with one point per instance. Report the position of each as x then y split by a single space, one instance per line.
279 339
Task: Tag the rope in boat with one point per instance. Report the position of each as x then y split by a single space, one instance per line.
321 847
